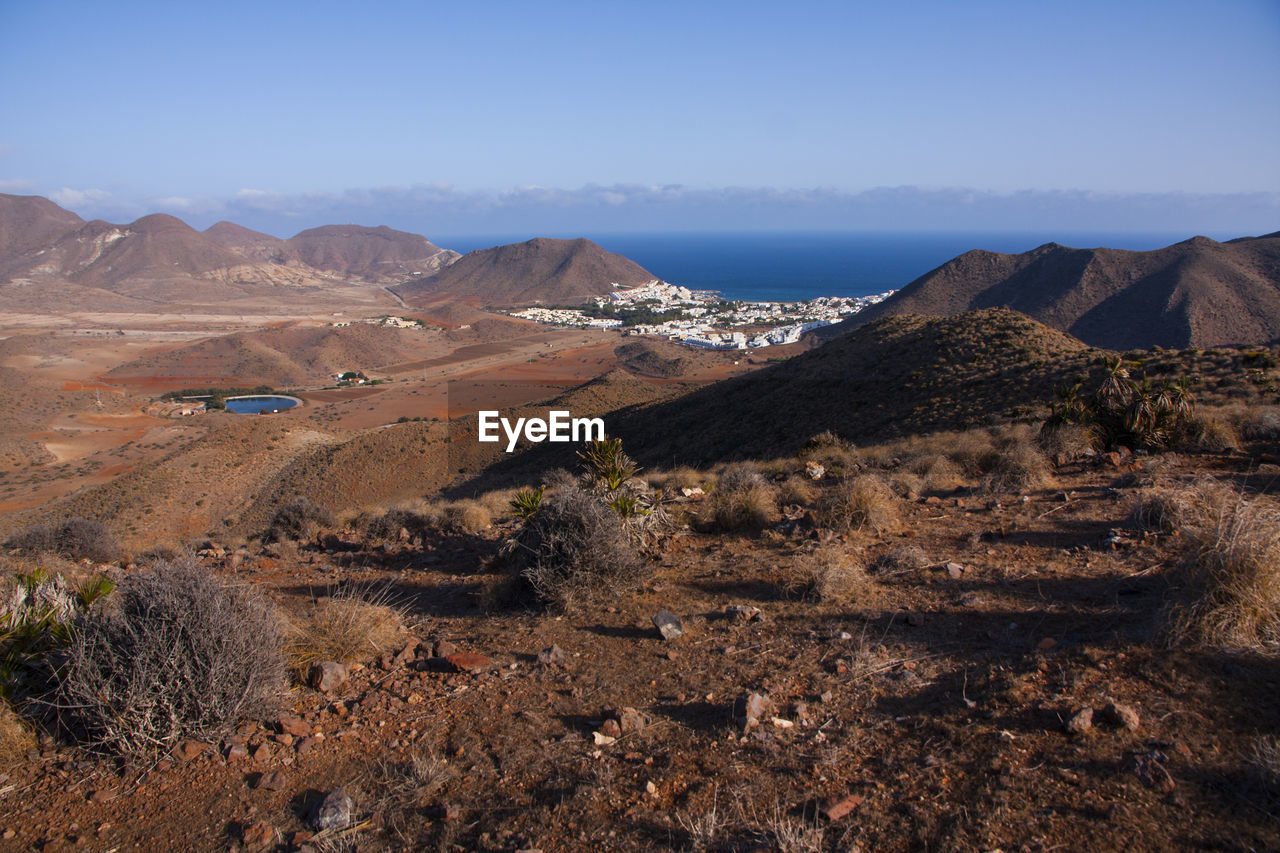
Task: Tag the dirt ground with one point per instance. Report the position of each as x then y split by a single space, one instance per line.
927 711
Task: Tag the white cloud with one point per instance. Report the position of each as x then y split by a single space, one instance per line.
71 198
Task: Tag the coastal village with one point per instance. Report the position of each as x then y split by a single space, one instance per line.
700 318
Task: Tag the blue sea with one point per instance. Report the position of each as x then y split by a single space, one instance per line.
785 266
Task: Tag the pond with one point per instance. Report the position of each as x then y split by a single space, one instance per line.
258 405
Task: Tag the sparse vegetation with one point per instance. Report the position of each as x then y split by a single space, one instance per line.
300 518
741 500
74 538
1125 411
861 502
354 624
180 653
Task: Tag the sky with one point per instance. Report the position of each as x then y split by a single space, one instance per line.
468 117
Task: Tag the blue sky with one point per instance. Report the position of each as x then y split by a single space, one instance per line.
488 115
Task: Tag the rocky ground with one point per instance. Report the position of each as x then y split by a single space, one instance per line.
1002 688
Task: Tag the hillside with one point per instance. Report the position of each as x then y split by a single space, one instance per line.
897 376
380 254
29 223
540 270
1198 292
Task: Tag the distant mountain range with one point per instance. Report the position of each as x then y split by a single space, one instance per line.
1198 292
541 270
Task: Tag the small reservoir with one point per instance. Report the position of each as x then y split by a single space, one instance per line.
260 404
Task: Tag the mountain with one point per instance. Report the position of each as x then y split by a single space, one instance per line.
549 271
900 375
380 253
1198 292
50 256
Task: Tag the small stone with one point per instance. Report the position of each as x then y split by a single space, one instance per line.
444 648
334 811
261 752
749 708
780 723
274 780
744 613
189 750
955 571
104 795
284 739
836 809
1081 722
651 788
1122 715
631 721
306 745
260 834
407 653
552 655
468 662
237 752
327 676
602 739
611 728
668 624
291 725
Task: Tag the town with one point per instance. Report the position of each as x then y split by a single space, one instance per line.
700 318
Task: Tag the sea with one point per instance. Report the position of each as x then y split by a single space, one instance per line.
788 266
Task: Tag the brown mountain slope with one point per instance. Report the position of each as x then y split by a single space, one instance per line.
283 356
1195 293
30 223
381 253
540 270
251 244
897 376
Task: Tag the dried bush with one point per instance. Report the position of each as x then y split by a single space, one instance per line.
973 451
937 472
180 653
741 500
467 517
828 575
300 518
1266 762
1016 467
574 550
1066 439
796 490
1259 423
832 452
1163 510
1212 433
74 538
15 737
387 526
907 558
682 477
354 624
863 502
1228 588
906 485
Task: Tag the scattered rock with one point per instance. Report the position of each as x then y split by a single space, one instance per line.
955 571
407 653
327 676
611 728
334 811
444 648
780 723
552 655
814 471
260 834
668 624
261 752
630 721
1151 772
189 750
1121 715
602 739
1080 722
744 613
274 780
237 752
104 795
307 744
291 725
836 809
468 662
749 708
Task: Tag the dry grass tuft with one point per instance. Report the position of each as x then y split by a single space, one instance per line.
1018 466
796 490
908 558
467 516
906 485
15 737
937 472
864 502
1213 433
830 576
1229 585
353 625
741 500
1066 439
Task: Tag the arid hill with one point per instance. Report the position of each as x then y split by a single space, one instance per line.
897 376
1195 293
51 257
381 253
283 356
541 270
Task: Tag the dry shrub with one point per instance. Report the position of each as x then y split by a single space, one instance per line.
15 737
832 452
1230 584
1266 762
863 502
355 624
178 652
741 500
906 485
828 575
908 558
387 526
74 538
1163 509
1016 467
467 517
497 503
1066 439
405 788
1258 423
1212 433
573 551
682 477
937 472
973 451
300 518
796 490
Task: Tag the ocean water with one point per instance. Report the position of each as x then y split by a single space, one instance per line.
786 266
